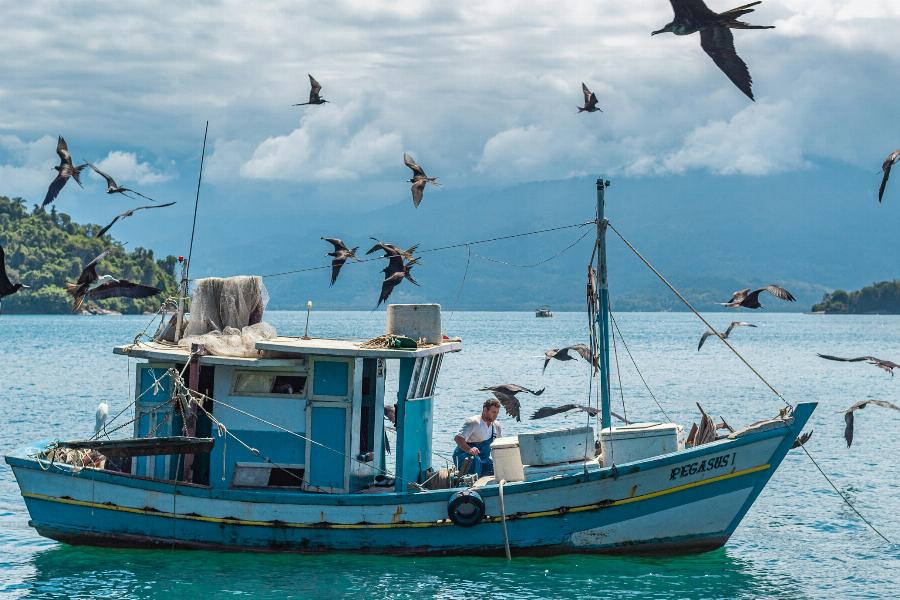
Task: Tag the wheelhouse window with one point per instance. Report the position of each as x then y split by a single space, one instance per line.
251 383
424 377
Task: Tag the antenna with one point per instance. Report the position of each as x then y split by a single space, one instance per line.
186 265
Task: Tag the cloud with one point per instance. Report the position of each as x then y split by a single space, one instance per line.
124 167
25 170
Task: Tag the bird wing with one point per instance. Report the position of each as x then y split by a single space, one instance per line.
376 247
587 94
511 404
105 229
110 182
409 162
703 337
338 244
778 291
511 389
336 265
719 45
388 285
314 87
739 295
690 9
89 272
737 324
884 404
848 427
5 283
887 173
129 213
147 197
62 149
581 349
838 358
123 288
55 186
418 191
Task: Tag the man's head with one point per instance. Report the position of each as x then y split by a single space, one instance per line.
490 410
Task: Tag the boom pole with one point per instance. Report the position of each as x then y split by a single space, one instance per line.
603 312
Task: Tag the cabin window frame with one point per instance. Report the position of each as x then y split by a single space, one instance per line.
424 377
236 375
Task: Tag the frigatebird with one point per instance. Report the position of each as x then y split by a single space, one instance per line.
114 188
64 170
394 274
340 255
314 89
506 394
106 286
549 411
848 416
391 249
7 287
747 299
889 162
725 335
886 365
716 39
562 354
590 100
128 213
419 179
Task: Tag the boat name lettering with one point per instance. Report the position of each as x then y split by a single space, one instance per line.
700 466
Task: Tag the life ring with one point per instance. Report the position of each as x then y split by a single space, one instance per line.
466 508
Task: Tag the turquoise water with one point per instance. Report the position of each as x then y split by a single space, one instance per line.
799 540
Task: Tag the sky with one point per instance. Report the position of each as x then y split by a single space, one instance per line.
482 93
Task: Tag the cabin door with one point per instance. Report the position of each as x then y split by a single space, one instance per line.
327 452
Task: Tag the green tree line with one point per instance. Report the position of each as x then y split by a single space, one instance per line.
878 298
45 249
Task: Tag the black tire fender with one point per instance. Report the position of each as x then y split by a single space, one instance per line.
466 508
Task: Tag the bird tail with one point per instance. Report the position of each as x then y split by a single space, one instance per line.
740 10
742 25
71 288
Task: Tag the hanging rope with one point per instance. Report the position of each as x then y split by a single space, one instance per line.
619 375
461 283
538 263
636 368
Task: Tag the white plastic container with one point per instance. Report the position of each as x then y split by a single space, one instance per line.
557 446
639 441
415 321
507 460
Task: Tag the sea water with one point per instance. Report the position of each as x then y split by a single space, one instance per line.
799 539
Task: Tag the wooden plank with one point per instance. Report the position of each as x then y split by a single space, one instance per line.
144 446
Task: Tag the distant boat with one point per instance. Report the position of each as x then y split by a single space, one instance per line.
543 312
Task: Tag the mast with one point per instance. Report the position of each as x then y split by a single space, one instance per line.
603 311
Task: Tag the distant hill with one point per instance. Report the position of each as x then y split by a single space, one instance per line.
881 298
46 249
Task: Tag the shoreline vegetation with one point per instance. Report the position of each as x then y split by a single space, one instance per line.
882 298
44 249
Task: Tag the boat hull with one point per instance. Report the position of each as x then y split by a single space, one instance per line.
688 501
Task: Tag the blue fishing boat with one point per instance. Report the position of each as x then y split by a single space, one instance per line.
247 440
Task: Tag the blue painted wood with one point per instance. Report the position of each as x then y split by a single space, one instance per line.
416 424
327 459
404 377
603 312
330 378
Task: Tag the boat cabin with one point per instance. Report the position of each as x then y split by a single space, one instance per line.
308 414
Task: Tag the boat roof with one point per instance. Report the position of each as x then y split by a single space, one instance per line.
285 351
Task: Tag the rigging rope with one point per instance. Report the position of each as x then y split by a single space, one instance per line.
757 373
538 263
619 375
636 368
461 283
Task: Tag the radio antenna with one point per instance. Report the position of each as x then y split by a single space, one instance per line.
186 265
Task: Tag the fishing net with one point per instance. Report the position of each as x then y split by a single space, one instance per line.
226 316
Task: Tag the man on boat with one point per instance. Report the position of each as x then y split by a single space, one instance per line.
473 442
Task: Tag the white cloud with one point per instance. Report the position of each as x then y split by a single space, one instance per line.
26 167
125 167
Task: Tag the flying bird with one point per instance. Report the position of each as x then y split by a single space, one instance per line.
128 213
7 287
64 170
391 249
114 188
340 255
506 394
590 100
418 180
886 365
562 354
725 335
848 416
748 299
802 439
106 286
889 162
394 274
100 417
314 89
716 39
549 411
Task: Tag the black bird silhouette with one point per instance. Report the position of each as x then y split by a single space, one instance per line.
391 249
394 274
748 299
549 411
590 100
341 254
506 394
562 354
886 365
128 213
7 287
889 162
114 188
725 335
106 286
65 170
848 416
716 39
419 179
802 439
314 89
